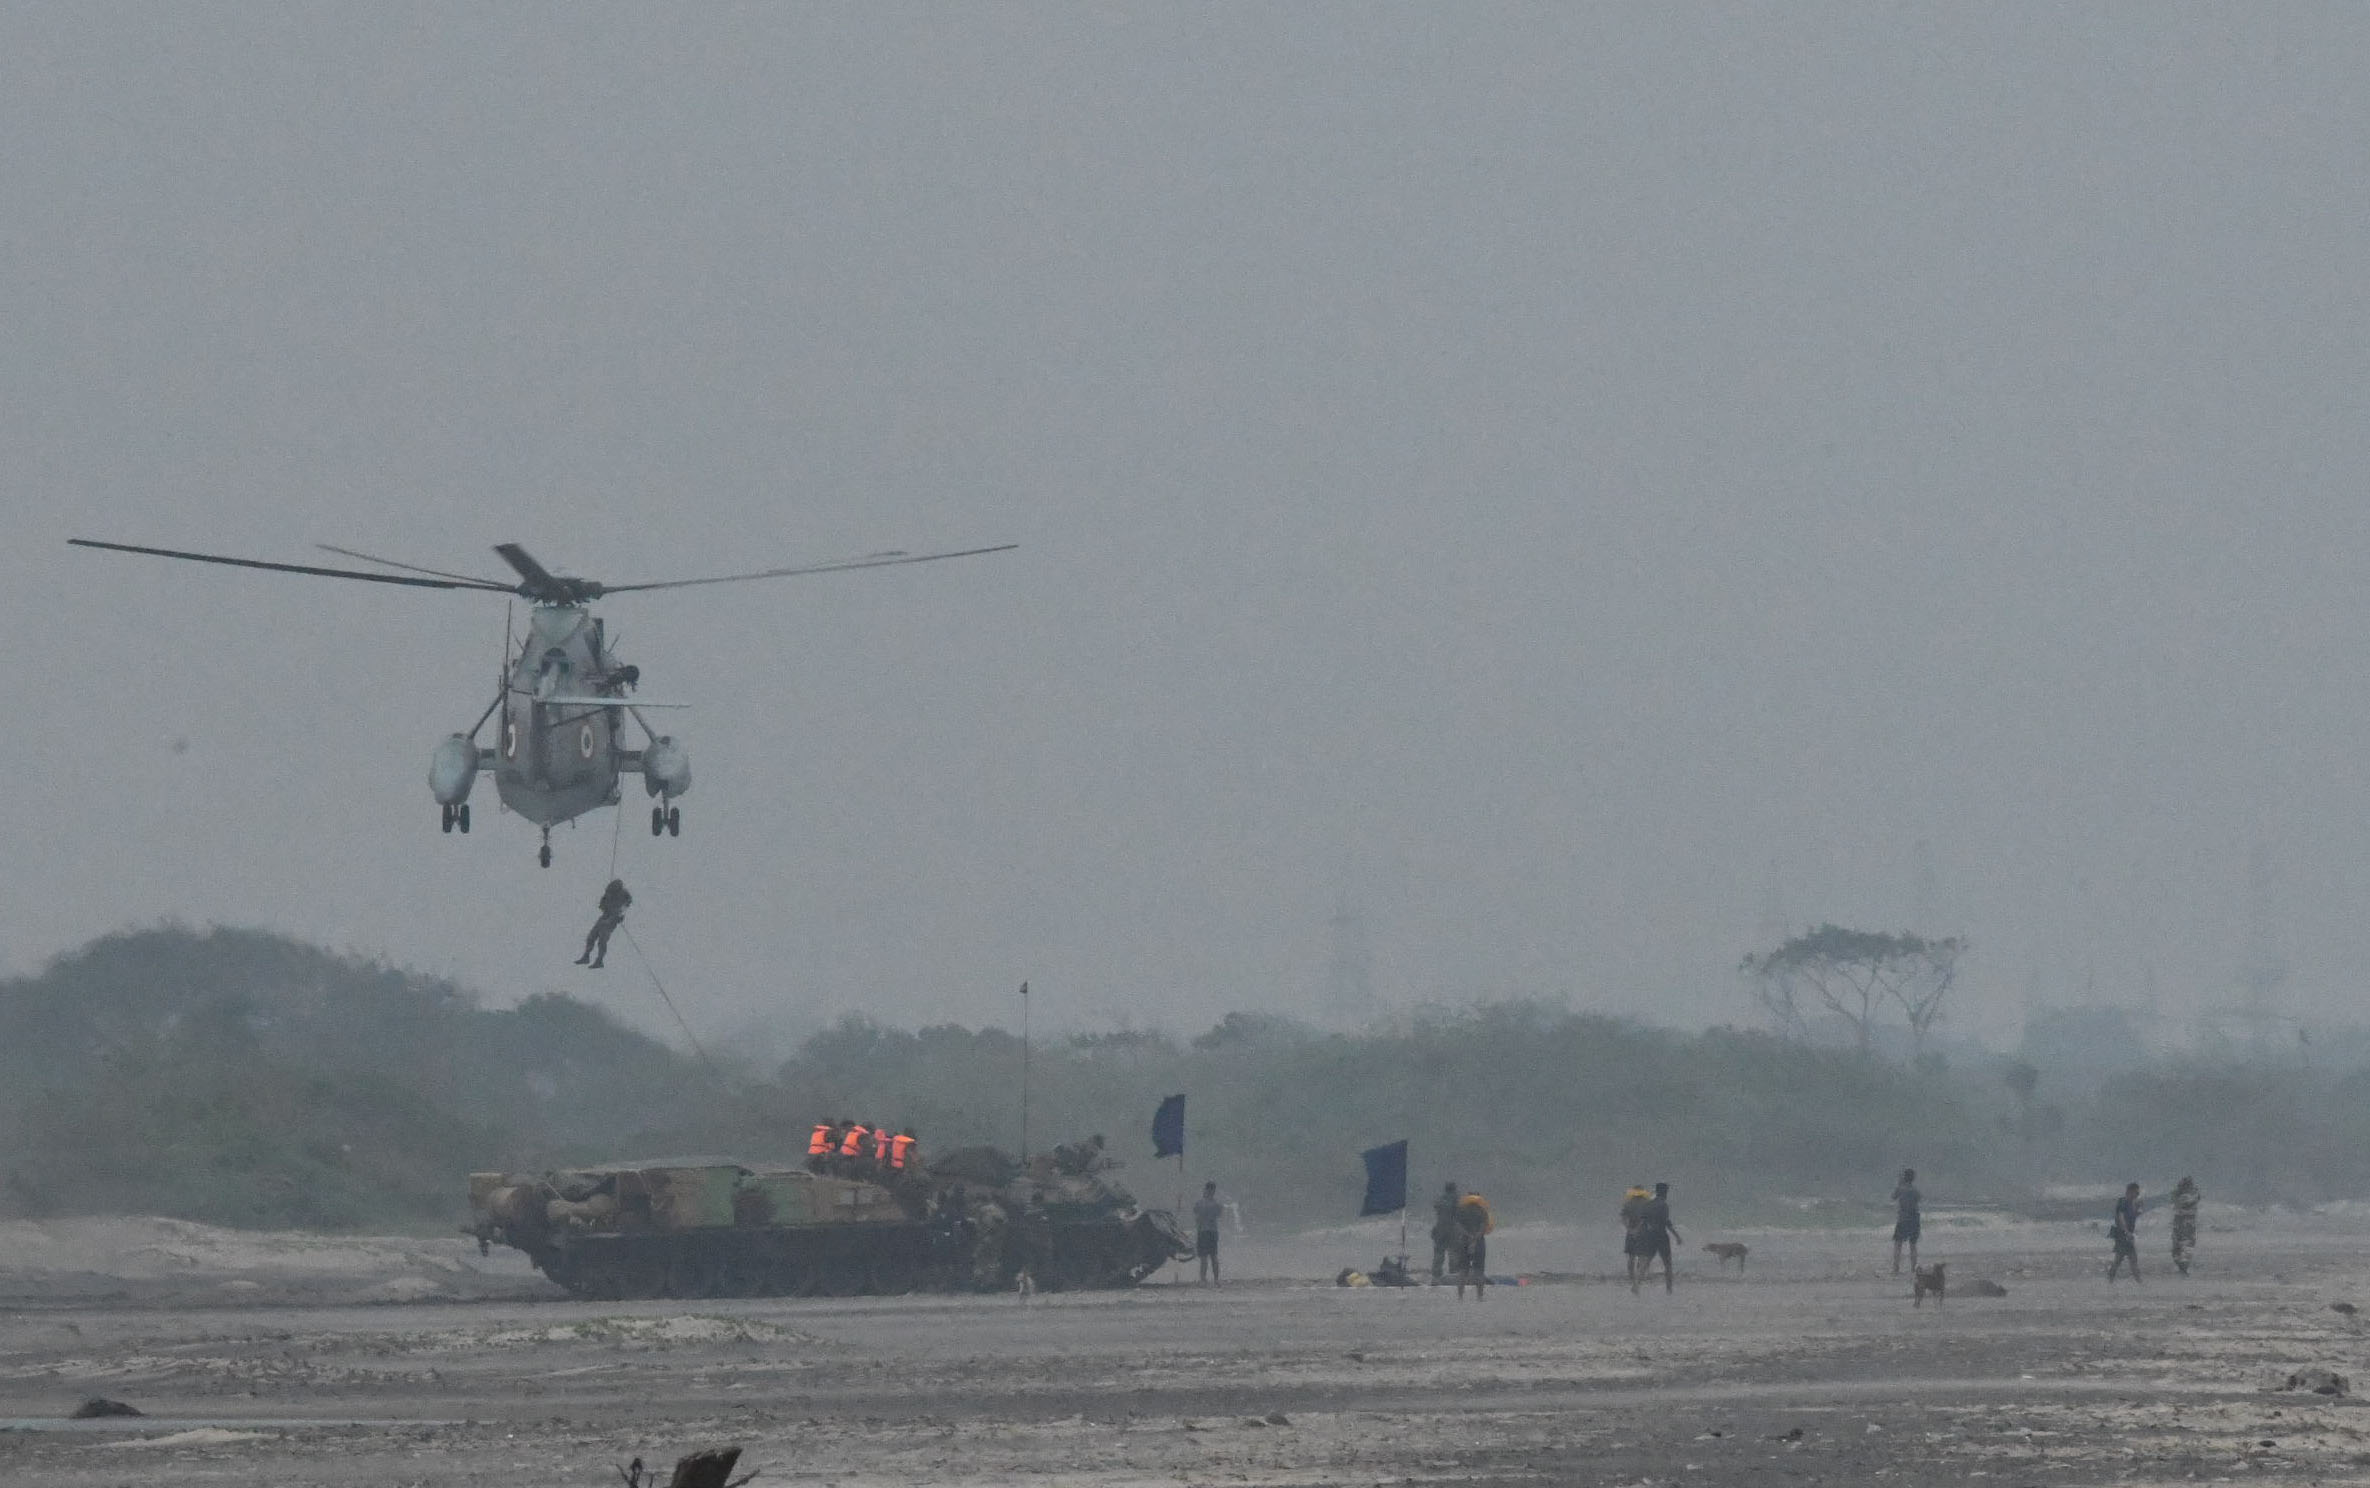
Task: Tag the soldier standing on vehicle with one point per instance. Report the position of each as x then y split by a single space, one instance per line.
854 1143
2185 1199
1444 1230
1036 1240
1207 1211
987 1247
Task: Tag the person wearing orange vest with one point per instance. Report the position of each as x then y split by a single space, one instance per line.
819 1143
854 1146
900 1151
1473 1225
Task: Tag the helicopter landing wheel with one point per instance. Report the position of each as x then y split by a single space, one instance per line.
674 821
658 820
448 818
461 817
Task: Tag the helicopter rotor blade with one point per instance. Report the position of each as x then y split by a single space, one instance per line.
295 568
543 586
870 560
409 567
536 575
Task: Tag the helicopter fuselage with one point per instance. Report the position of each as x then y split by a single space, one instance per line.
560 743
553 760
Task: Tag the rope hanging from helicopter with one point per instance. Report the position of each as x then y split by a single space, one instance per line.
651 972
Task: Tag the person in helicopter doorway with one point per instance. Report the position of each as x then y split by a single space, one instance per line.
614 900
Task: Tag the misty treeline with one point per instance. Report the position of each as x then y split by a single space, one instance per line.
242 1078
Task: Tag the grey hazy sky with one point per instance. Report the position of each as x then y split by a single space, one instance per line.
1563 479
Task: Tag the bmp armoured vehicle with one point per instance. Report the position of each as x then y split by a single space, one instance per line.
714 1227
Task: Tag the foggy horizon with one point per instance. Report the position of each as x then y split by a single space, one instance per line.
1586 491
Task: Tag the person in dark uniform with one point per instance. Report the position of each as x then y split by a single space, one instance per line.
614 900
1907 1220
1207 1212
2185 1199
2126 1233
1444 1230
1656 1231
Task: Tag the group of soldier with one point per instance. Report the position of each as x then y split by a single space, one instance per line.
1461 1222
853 1149
977 1231
1647 1231
1461 1225
2123 1228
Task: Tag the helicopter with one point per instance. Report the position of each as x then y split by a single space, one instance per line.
563 696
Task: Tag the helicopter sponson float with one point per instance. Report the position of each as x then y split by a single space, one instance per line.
563 697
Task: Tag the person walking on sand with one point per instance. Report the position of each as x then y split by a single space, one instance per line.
1444 1230
1633 1237
1907 1221
1656 1231
1474 1223
1207 1211
2185 1199
2125 1232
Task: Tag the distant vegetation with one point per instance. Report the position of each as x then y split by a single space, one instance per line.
242 1078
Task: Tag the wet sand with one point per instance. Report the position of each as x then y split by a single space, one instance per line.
287 1360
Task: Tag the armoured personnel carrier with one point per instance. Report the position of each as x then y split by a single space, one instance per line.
716 1227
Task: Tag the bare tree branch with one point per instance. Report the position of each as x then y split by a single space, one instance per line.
1856 975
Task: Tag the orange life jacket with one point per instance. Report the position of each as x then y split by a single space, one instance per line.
899 1147
819 1143
853 1144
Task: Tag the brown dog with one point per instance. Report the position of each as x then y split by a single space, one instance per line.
1729 1250
1930 1279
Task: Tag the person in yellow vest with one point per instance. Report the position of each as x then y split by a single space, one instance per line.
1474 1223
1633 1237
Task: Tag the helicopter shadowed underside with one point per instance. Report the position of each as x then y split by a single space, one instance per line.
564 701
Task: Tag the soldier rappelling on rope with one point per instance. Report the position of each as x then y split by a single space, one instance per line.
614 900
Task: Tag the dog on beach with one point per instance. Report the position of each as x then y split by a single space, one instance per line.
1730 1250
1930 1279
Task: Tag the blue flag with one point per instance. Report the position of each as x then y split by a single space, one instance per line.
1168 1128
1386 1179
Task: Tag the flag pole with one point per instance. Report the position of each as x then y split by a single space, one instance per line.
1403 1229
1024 1074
